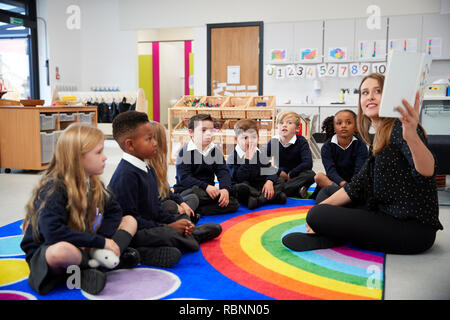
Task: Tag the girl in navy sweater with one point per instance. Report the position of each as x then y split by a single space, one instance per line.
343 155
70 212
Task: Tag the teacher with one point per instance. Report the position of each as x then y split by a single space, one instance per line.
391 205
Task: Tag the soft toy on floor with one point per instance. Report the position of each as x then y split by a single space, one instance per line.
103 258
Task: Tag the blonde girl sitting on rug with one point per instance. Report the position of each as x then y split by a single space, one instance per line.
71 212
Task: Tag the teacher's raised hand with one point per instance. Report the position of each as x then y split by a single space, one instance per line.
410 118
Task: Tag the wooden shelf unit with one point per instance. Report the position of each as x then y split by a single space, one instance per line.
20 133
230 110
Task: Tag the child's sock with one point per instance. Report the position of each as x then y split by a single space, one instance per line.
298 241
122 238
84 259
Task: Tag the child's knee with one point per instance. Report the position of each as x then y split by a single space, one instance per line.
61 254
318 177
129 224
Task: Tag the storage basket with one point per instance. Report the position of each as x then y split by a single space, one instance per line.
63 117
86 117
190 101
213 102
48 122
265 106
48 142
233 107
184 113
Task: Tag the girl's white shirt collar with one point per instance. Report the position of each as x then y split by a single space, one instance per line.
334 139
138 163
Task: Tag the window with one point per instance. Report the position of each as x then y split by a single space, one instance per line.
19 76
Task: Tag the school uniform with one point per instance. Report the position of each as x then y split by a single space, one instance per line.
53 228
135 186
253 173
341 164
196 170
295 159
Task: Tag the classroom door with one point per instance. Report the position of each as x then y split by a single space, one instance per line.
235 59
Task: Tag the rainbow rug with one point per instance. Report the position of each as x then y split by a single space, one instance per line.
247 262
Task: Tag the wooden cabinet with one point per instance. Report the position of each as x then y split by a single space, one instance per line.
22 131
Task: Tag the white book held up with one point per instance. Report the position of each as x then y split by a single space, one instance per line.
407 73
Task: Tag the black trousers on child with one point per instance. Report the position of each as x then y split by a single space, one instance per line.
370 230
208 206
255 188
304 179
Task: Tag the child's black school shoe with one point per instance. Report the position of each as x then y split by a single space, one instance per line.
92 281
242 193
162 257
304 192
280 198
252 203
129 259
195 218
207 231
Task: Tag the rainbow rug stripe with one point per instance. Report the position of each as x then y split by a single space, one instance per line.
246 262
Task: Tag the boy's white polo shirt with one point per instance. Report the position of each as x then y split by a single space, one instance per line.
138 163
334 139
192 146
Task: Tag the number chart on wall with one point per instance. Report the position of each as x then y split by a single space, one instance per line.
335 70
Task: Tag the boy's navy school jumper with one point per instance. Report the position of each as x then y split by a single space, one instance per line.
342 164
255 171
295 159
135 186
196 170
136 189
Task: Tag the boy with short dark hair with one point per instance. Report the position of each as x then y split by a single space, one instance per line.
255 181
292 155
197 165
160 235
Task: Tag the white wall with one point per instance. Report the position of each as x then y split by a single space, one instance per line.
104 50
150 14
98 53
108 55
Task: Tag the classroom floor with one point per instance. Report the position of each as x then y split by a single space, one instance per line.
410 277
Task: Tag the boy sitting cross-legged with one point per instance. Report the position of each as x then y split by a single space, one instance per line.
292 155
255 181
160 236
197 165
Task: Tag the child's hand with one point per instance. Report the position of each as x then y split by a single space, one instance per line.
250 152
284 175
212 191
267 190
224 198
184 208
342 183
112 245
182 225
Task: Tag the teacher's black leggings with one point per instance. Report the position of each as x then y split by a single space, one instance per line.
370 230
